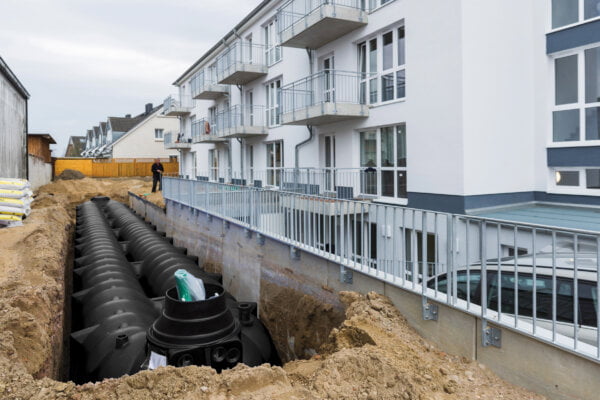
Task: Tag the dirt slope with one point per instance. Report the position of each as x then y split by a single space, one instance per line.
374 354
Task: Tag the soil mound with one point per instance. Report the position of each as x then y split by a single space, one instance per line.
70 174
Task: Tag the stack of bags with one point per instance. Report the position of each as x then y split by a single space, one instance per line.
15 201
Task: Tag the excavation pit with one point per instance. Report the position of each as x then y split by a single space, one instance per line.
372 353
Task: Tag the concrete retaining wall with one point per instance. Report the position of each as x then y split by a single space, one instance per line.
40 172
254 270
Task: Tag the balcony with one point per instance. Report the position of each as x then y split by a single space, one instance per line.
205 87
241 122
205 132
177 106
326 97
177 141
241 63
314 23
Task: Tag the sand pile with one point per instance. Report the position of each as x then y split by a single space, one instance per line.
373 354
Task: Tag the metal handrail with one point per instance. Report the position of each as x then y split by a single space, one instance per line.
457 255
239 52
327 86
294 11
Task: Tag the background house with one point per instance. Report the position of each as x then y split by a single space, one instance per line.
13 124
145 140
76 146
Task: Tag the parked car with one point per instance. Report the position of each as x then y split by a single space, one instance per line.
503 282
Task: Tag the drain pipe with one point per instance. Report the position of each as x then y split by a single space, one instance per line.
310 54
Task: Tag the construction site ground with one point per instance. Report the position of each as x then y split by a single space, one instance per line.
373 354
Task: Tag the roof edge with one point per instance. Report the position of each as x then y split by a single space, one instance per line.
12 78
232 32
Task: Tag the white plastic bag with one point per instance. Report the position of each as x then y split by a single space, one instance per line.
15 194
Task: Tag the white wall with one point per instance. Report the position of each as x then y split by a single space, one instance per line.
139 142
40 172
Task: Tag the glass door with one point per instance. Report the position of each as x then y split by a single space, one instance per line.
328 79
330 163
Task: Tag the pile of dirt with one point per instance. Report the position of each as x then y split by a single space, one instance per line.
70 174
373 354
156 198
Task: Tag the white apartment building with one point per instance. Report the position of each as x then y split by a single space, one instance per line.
444 105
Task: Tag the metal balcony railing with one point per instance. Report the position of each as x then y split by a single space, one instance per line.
549 294
176 140
204 85
240 63
298 17
328 86
205 131
345 183
240 120
177 105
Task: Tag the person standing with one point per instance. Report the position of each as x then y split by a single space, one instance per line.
157 171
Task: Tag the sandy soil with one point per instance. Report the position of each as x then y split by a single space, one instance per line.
373 354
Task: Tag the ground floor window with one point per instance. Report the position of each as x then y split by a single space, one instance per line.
213 164
274 162
586 180
383 161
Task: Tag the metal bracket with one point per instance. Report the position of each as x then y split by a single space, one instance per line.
346 275
490 335
225 224
260 239
248 233
294 253
430 310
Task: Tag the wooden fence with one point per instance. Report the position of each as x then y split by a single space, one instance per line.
113 168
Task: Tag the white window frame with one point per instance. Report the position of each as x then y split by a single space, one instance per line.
273 50
162 135
213 165
375 76
580 105
581 190
396 169
273 102
274 173
374 5
580 20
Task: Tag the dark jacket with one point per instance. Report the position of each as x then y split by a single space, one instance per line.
155 168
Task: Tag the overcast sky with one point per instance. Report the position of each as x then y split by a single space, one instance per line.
85 60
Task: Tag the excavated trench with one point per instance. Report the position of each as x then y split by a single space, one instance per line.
125 312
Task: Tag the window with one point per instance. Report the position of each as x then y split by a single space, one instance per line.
272 47
213 164
567 178
381 62
250 152
576 114
274 162
158 134
567 12
273 103
592 178
383 155
374 4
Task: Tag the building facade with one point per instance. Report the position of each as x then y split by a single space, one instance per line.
429 104
13 124
39 158
75 146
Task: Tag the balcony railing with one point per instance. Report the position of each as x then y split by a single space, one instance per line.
178 105
204 131
345 183
204 85
174 140
314 23
323 98
241 122
241 63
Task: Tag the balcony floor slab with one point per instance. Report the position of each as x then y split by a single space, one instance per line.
325 113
